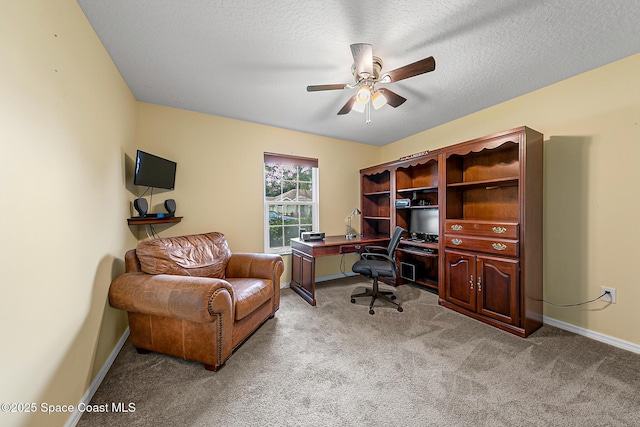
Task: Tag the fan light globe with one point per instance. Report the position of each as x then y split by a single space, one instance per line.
378 100
358 107
363 95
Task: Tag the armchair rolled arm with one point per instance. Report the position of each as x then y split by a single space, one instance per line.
196 299
259 266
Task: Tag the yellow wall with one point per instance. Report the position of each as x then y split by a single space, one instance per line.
67 118
591 126
70 127
219 174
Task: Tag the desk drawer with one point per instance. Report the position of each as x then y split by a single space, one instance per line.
501 230
349 249
481 244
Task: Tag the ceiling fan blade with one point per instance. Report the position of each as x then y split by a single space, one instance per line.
419 67
363 59
348 106
316 88
392 98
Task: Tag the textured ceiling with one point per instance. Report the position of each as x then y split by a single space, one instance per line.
252 60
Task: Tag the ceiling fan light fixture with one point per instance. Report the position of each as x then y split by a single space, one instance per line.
358 107
363 95
378 100
366 70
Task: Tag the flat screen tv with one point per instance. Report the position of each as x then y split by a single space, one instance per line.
154 171
424 222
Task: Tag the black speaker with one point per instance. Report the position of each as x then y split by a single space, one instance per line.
170 206
141 206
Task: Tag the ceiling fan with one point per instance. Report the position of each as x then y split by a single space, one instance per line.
366 69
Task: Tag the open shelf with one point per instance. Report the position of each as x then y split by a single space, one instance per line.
432 284
427 189
496 182
153 221
421 207
377 193
418 244
418 252
375 202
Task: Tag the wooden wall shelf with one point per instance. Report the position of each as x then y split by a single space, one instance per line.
153 221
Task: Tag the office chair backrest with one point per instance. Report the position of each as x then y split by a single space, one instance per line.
395 241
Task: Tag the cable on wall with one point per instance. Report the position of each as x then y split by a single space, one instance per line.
580 303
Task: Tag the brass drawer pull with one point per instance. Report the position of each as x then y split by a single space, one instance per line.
479 284
456 241
499 246
499 230
456 227
471 282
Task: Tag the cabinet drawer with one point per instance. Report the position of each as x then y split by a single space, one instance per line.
349 249
482 244
503 230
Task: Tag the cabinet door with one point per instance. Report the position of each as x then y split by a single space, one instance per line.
497 288
302 271
459 279
303 275
296 268
308 273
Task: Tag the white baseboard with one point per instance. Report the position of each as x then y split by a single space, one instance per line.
335 276
324 278
625 345
75 417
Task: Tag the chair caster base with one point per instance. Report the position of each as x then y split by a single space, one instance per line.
374 293
377 295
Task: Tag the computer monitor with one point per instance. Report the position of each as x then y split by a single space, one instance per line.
424 222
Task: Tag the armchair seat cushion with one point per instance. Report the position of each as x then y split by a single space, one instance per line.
250 294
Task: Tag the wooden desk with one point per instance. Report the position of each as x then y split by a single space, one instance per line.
304 254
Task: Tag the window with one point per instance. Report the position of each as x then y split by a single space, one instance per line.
290 199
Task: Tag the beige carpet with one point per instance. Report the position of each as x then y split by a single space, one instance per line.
335 364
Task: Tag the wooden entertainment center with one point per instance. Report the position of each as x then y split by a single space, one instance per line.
486 262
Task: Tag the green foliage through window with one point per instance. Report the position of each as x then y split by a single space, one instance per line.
289 199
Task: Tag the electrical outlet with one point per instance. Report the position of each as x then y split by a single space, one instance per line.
612 294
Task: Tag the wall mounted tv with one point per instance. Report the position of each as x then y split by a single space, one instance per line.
154 171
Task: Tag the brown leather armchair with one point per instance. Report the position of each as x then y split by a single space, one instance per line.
191 297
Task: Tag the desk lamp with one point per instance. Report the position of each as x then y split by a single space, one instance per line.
350 231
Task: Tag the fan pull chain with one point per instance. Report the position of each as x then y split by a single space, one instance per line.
368 112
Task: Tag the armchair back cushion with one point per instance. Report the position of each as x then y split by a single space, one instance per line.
202 255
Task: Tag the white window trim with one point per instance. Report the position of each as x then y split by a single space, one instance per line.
315 209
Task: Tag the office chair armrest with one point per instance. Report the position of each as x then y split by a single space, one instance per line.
369 249
366 256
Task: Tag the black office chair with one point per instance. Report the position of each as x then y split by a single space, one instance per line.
375 262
